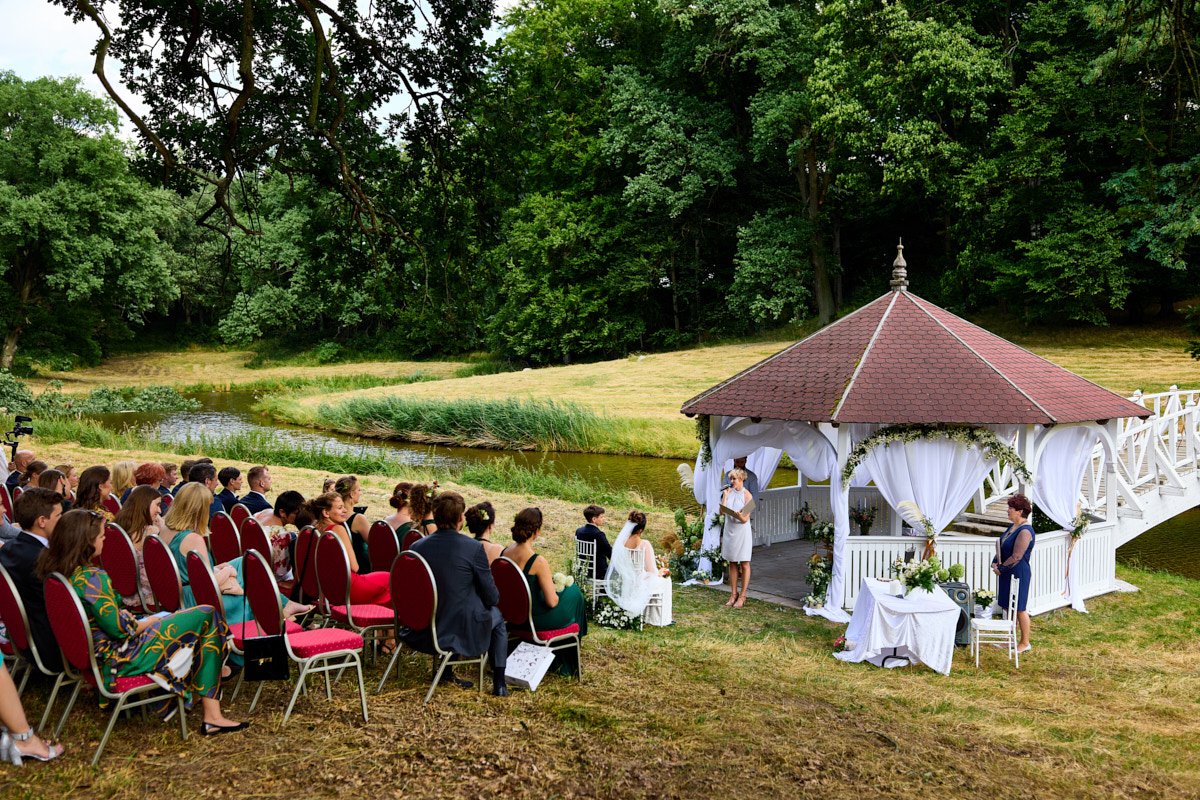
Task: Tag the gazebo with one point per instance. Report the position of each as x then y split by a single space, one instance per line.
902 400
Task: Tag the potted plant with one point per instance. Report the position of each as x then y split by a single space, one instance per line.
864 516
805 516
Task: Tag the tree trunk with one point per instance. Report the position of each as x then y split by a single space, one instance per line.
10 347
23 270
813 182
821 277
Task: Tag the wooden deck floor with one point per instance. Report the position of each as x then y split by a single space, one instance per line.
777 573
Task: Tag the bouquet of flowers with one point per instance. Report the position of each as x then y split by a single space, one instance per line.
804 515
925 573
863 515
562 581
820 573
611 615
702 575
822 532
985 598
685 566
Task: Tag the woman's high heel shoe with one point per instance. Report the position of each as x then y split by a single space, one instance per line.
16 756
8 750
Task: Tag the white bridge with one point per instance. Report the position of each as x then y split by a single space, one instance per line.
1154 476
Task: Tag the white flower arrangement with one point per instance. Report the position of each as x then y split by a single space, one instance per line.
562 581
610 615
985 598
968 435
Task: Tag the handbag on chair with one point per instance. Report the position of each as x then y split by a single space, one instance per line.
266 657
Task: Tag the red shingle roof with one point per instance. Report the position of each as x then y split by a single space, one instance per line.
903 359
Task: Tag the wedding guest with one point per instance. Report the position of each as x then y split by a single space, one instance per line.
17 739
37 511
140 516
481 521
56 481
95 484
287 511
420 501
206 475
632 586
72 478
551 609
592 532
330 515
737 540
1016 545
259 480
468 621
327 486
401 518
125 645
17 468
185 471
122 477
230 479
347 486
32 472
148 473
170 478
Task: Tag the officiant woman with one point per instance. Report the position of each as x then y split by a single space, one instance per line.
737 540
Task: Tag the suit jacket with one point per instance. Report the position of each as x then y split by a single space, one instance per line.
255 502
20 557
465 590
590 533
216 506
228 500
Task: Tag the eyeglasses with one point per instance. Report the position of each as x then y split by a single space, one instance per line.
92 514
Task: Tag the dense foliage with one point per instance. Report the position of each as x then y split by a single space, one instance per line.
607 176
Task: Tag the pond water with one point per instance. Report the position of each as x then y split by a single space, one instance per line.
1173 546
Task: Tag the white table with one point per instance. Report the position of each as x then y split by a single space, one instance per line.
919 627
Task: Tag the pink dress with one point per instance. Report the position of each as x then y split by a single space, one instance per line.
370 588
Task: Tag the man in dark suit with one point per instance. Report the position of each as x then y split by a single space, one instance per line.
20 462
230 479
468 621
207 475
591 532
259 481
37 511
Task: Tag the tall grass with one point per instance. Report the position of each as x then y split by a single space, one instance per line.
322 383
509 424
505 475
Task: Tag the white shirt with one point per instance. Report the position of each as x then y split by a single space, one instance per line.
45 542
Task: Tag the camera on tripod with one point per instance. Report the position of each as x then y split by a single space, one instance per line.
19 429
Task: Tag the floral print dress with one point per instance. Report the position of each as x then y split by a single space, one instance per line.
183 652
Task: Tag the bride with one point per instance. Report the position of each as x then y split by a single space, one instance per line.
631 585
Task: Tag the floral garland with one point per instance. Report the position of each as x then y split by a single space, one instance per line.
1079 526
703 426
968 435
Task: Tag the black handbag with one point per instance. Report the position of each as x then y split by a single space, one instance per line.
266 657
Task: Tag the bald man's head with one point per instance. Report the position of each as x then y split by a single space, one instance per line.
23 459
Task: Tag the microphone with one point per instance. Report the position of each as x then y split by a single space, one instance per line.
727 486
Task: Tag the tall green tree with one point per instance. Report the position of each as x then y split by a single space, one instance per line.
77 229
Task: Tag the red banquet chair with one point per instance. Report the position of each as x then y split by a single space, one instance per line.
112 504
16 621
382 545
239 514
119 560
223 539
163 573
304 570
255 538
415 599
7 500
16 493
317 651
410 538
368 620
165 502
74 635
516 604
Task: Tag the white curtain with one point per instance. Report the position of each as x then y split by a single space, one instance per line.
1057 483
938 474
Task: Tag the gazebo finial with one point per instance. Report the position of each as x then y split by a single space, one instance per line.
899 273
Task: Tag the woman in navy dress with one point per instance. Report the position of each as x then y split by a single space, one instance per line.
1015 546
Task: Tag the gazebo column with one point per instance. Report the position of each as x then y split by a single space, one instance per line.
839 503
1026 449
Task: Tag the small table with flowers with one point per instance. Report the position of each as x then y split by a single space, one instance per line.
918 627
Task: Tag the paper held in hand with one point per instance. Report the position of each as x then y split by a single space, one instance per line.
527 665
747 509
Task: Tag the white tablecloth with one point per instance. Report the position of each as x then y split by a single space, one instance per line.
920 626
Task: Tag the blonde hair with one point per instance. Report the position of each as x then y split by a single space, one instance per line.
122 476
189 509
738 472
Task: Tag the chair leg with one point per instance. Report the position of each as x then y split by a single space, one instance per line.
299 682
183 729
437 676
62 721
388 671
237 687
112 721
58 682
24 678
254 702
362 689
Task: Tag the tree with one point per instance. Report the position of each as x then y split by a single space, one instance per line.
76 227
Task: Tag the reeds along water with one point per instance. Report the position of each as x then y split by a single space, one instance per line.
510 424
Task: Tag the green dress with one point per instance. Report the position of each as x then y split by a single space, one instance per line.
119 647
362 553
571 605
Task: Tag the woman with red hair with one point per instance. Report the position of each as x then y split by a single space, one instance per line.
148 473
1013 562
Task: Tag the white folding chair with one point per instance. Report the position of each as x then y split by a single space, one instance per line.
999 631
656 599
585 570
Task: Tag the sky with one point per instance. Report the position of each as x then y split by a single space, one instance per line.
39 39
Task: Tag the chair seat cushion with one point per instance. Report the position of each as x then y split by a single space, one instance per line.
7 649
365 615
250 630
546 636
325 640
993 625
125 683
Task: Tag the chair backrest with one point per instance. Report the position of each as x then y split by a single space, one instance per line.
17 492
333 571
262 593
7 500
585 558
254 537
515 599
72 630
112 504
637 556
382 545
12 612
203 583
119 560
239 514
412 536
305 561
1014 592
165 502
163 573
223 538
414 592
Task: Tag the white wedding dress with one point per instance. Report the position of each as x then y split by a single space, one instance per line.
632 586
